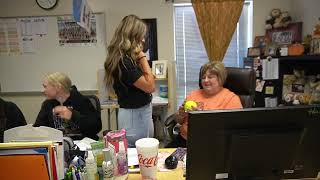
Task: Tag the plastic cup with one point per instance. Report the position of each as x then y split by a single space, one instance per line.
147 149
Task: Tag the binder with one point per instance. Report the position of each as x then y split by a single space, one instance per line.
38 136
24 166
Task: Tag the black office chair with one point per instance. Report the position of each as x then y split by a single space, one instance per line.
95 102
242 81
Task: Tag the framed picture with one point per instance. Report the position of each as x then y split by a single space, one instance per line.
151 44
297 88
159 69
260 41
253 52
271 50
286 35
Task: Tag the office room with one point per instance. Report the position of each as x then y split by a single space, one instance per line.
48 55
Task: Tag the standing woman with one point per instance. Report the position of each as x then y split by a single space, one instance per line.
128 72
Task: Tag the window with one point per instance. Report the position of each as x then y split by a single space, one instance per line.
190 50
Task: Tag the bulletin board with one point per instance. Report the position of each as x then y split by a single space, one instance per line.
24 72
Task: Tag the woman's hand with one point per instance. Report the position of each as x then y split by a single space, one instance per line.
63 111
181 115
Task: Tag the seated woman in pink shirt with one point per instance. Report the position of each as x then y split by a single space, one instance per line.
212 96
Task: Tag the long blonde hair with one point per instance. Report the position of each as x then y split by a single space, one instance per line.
125 42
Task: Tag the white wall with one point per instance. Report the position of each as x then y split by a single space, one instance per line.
262 8
306 11
115 10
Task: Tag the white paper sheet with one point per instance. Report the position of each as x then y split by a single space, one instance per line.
132 157
40 26
270 68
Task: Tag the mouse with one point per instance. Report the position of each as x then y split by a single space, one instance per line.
171 162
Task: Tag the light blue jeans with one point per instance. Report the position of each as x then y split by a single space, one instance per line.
137 122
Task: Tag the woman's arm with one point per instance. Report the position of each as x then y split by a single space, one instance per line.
181 115
146 82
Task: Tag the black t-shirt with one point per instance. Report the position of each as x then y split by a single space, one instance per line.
129 96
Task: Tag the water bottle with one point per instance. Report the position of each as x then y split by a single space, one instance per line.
122 159
91 167
107 165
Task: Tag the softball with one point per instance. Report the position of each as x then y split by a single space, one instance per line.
189 105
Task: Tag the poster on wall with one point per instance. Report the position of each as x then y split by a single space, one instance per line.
151 44
9 37
72 34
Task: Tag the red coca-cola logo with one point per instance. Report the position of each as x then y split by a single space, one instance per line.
148 162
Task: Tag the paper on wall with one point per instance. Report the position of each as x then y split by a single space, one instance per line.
270 68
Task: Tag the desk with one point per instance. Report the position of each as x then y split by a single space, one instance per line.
111 106
114 106
176 174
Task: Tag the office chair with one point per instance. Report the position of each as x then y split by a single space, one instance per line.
95 102
241 81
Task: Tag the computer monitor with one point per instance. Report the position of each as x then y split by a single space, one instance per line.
254 143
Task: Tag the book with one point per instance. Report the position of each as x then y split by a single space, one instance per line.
24 166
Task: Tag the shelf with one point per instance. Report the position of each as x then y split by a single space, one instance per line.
296 58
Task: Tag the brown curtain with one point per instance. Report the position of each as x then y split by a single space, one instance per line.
217 20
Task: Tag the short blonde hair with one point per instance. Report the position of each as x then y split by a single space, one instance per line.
59 79
217 68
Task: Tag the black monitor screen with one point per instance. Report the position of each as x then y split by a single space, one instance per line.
254 143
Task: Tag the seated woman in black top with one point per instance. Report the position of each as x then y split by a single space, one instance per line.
10 117
67 109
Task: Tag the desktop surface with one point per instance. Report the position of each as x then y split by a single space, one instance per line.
175 174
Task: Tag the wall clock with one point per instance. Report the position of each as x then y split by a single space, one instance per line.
47 4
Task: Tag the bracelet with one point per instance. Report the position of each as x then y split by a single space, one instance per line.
141 58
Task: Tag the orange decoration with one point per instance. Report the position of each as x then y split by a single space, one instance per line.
295 49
